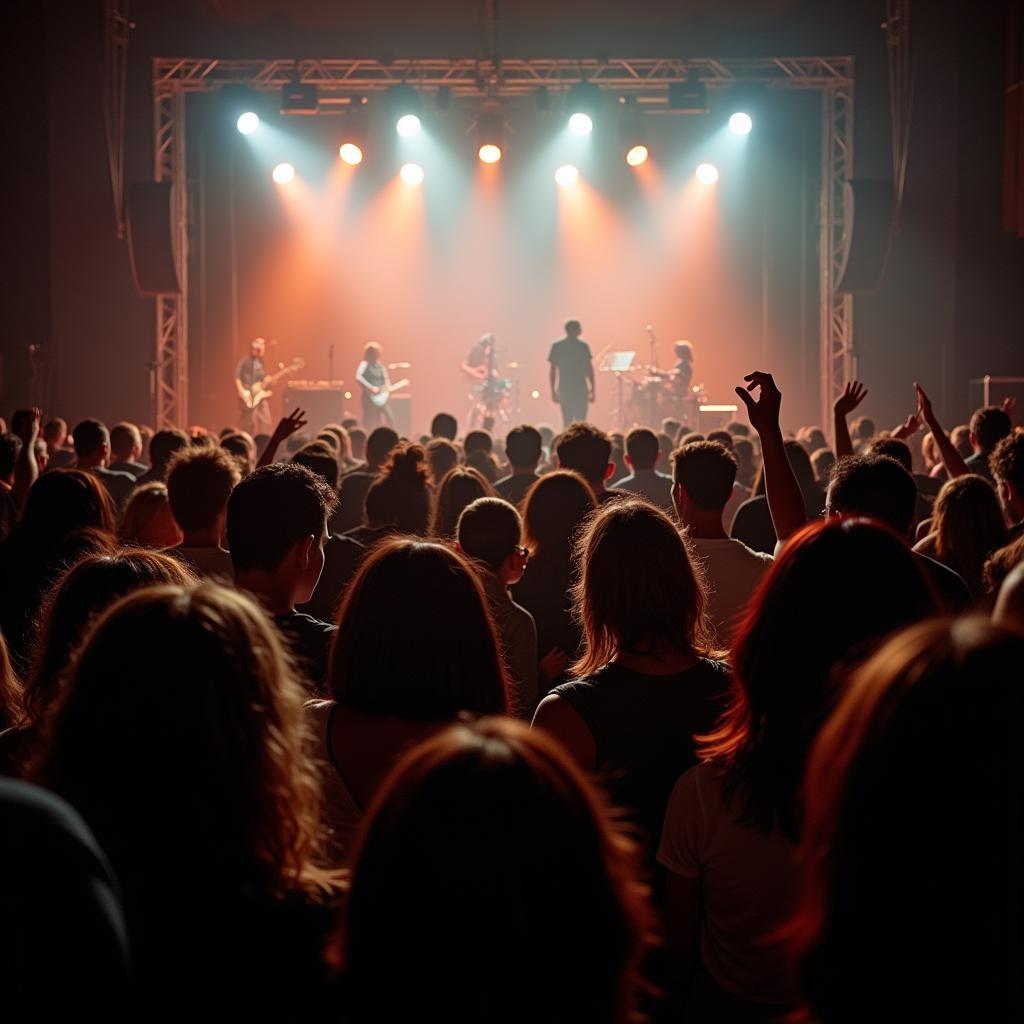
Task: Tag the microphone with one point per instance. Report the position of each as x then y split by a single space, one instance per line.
399 366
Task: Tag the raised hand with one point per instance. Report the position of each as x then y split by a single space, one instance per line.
27 423
853 394
1008 404
908 429
764 412
924 405
289 425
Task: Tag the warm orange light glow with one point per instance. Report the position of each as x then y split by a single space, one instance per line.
490 153
283 173
636 156
567 175
351 153
412 174
707 174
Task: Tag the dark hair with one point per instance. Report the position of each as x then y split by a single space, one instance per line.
446 659
642 447
706 470
879 488
442 456
400 496
379 444
60 502
891 448
822 461
895 898
10 446
199 482
493 819
164 444
584 448
238 446
862 428
572 325
854 581
54 428
1007 460
554 509
738 429
477 441
968 525
459 488
444 425
485 464
800 463
723 437
990 425
489 530
271 511
523 447
684 350
124 436
637 587
89 436
320 461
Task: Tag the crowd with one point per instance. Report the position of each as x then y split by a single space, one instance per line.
574 727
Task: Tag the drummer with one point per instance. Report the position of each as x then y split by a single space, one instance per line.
481 363
682 372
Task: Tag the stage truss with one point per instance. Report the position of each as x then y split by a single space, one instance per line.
644 79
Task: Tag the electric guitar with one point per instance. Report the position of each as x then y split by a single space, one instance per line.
381 399
253 397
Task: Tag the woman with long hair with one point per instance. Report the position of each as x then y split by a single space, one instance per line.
967 526
491 884
647 679
180 738
399 499
460 487
147 520
416 647
733 822
913 840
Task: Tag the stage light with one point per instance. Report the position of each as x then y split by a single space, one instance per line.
283 173
566 175
740 123
535 393
707 174
248 122
408 126
489 132
636 156
348 394
581 124
350 153
412 174
489 153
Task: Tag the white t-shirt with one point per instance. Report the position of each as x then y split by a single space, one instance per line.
750 886
732 571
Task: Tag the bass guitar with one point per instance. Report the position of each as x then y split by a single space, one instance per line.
381 399
253 397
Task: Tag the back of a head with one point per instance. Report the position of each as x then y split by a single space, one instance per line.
271 511
62 501
55 430
895 898
738 429
862 428
969 526
553 510
1007 461
638 589
400 497
164 444
990 425
484 463
706 470
125 440
459 488
200 480
876 488
586 449
486 858
477 441
144 504
343 444
83 593
891 448
523 447
723 437
10 446
822 462
380 442
357 441
642 447
489 530
238 445
319 461
89 437
442 456
444 425
448 659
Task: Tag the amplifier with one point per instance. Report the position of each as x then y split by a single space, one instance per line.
324 402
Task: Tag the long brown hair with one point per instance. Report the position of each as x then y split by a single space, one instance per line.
460 487
554 510
968 525
638 587
490 881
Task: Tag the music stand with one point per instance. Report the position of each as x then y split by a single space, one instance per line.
618 363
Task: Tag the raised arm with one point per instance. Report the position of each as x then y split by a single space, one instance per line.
284 429
26 469
853 394
785 500
951 458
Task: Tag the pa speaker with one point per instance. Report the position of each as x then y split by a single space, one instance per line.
872 203
151 240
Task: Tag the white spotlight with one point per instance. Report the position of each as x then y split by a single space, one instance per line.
740 123
581 124
707 174
283 173
566 175
412 174
247 123
408 126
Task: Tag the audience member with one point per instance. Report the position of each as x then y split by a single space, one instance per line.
243 449
126 449
642 454
355 485
399 501
162 448
989 426
444 425
443 456
459 488
485 464
92 453
55 434
586 450
1007 466
357 439
822 462
147 520
524 449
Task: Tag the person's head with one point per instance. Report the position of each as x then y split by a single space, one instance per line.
812 438
444 425
587 450
10 446
42 454
60 502
78 598
1001 563
490 531
493 818
199 483
822 462
642 448
930 453
372 353
125 442
989 425
444 659
960 436
379 445
800 463
862 429
277 528
890 448
485 464
92 444
573 328
400 496
723 437
1007 465
329 439
523 448
703 475
443 457
1009 605
241 448
357 442
163 446
743 449
257 348
554 509
853 582
738 429
319 460
477 441
198 679
683 351
690 437
55 433
968 526
671 427
295 442
877 488
147 519
342 442
894 897
638 592
459 488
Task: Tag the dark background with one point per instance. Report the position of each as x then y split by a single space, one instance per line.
951 305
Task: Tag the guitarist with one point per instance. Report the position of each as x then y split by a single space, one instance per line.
372 376
252 370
